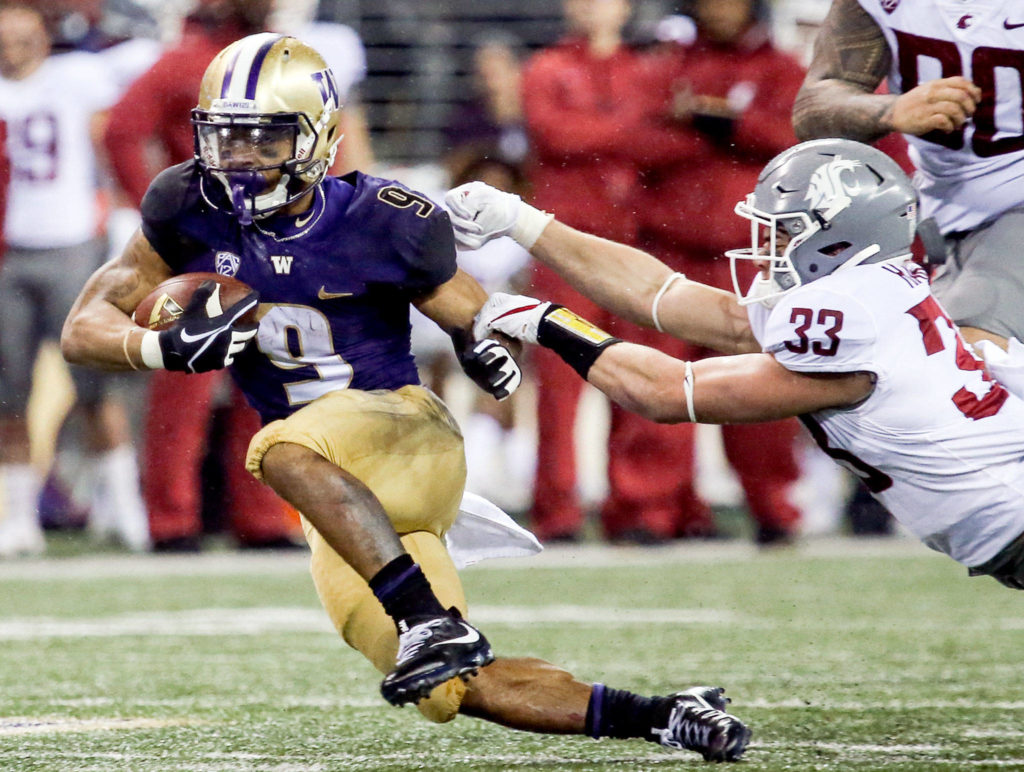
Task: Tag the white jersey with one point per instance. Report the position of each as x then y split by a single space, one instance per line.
52 200
938 442
975 174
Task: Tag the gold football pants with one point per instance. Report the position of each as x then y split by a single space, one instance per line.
405 447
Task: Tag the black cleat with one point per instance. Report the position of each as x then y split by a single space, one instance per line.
432 652
698 722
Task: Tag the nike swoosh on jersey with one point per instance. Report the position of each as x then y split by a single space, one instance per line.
471 636
323 294
300 222
1007 24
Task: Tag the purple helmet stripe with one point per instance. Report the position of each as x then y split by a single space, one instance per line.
257 63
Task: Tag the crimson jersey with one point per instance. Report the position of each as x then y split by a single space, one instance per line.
970 175
938 442
335 282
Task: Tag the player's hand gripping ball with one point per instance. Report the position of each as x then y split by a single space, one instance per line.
167 302
203 321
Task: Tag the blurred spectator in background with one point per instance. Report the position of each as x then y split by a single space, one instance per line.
583 109
728 94
54 221
490 124
147 131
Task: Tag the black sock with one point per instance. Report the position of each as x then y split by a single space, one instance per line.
404 591
622 714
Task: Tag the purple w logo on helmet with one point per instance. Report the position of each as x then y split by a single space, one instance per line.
328 88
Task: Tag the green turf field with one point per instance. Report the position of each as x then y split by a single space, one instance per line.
840 655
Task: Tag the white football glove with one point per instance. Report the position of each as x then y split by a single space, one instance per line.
480 213
1007 367
517 316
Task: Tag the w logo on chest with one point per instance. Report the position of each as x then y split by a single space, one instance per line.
282 263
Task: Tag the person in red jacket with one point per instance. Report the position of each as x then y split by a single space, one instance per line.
153 116
729 93
583 112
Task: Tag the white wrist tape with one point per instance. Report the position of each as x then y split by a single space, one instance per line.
688 392
530 223
152 356
659 296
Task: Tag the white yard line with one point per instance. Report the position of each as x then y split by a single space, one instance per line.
583 556
263 620
38 725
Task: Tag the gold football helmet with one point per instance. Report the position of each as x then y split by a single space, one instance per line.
267 123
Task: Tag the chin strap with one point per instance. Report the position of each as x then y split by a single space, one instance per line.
244 191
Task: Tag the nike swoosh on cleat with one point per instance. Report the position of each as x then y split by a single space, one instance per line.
323 294
1007 24
471 636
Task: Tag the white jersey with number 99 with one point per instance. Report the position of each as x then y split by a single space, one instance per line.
53 199
972 174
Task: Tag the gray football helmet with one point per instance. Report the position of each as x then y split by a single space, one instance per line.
827 204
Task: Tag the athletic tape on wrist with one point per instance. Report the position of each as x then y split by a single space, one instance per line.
152 355
530 223
660 294
578 342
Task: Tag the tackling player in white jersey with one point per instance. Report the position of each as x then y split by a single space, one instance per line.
954 72
839 328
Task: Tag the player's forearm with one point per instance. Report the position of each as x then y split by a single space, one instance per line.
454 304
627 281
643 381
101 336
832 108
99 331
617 277
851 57
721 390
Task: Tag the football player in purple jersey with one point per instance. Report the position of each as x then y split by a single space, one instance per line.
372 460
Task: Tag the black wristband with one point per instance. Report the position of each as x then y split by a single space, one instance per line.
578 342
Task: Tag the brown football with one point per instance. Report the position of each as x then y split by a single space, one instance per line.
162 307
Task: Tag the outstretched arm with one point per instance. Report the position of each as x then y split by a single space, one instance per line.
838 99
627 281
745 388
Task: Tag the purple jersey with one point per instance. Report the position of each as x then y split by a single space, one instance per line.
335 282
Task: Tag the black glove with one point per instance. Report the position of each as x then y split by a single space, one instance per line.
492 367
198 343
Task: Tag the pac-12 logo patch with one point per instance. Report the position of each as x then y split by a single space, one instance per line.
226 264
